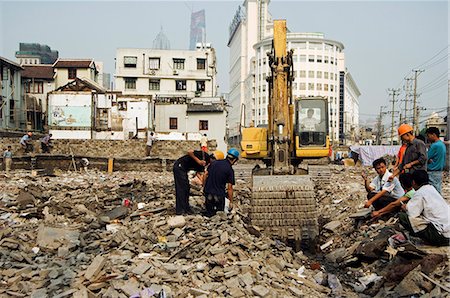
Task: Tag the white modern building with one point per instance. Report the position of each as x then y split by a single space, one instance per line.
319 70
251 23
166 73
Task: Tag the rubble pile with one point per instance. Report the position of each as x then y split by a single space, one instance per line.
97 235
73 235
372 255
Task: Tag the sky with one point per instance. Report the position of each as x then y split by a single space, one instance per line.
384 40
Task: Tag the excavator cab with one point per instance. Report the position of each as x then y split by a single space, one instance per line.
311 128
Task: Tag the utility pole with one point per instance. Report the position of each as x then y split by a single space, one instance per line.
379 125
415 114
393 100
407 89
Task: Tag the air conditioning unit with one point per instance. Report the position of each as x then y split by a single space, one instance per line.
152 72
175 72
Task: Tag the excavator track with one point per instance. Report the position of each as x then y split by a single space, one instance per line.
285 206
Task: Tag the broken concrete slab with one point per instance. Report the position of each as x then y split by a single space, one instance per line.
176 221
141 268
260 291
333 225
95 267
53 238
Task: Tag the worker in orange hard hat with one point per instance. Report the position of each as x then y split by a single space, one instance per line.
415 156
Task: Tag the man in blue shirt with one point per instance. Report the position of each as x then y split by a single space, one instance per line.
436 158
220 174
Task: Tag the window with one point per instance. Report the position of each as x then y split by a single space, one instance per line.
331 60
302 86
4 73
130 83
178 63
180 84
325 87
302 45
201 63
264 88
72 73
326 59
203 124
173 123
154 63
154 85
311 74
129 61
319 74
200 85
311 58
294 86
331 88
319 87
335 76
122 105
310 86
303 73
325 75
302 58
315 46
319 58
36 87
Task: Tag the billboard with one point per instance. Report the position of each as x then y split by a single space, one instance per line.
70 116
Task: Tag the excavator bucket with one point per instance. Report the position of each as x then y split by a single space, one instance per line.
285 207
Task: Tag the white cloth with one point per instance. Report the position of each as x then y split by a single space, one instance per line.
367 154
394 188
309 124
429 206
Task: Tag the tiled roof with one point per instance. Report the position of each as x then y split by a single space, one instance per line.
66 63
42 71
10 63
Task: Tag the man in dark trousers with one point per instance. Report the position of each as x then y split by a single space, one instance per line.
220 176
193 160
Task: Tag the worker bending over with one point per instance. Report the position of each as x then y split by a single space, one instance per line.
219 183
193 160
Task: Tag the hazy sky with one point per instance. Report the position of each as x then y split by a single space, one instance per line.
383 41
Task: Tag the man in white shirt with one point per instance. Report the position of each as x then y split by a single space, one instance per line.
150 139
427 213
310 123
380 191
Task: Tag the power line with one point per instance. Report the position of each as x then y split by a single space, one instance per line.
422 65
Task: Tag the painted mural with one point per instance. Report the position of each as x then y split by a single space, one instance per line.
70 116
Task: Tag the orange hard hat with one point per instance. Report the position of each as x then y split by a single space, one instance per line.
404 128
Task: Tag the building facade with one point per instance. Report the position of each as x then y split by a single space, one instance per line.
166 73
67 70
319 70
12 105
251 24
193 118
37 81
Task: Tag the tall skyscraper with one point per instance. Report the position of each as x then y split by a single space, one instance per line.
198 28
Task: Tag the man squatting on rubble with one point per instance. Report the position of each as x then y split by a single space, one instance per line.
427 213
220 176
406 182
436 158
25 142
45 143
380 191
195 160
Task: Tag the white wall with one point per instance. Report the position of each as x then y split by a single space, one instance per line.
216 127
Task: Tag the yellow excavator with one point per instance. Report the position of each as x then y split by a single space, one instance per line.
283 201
